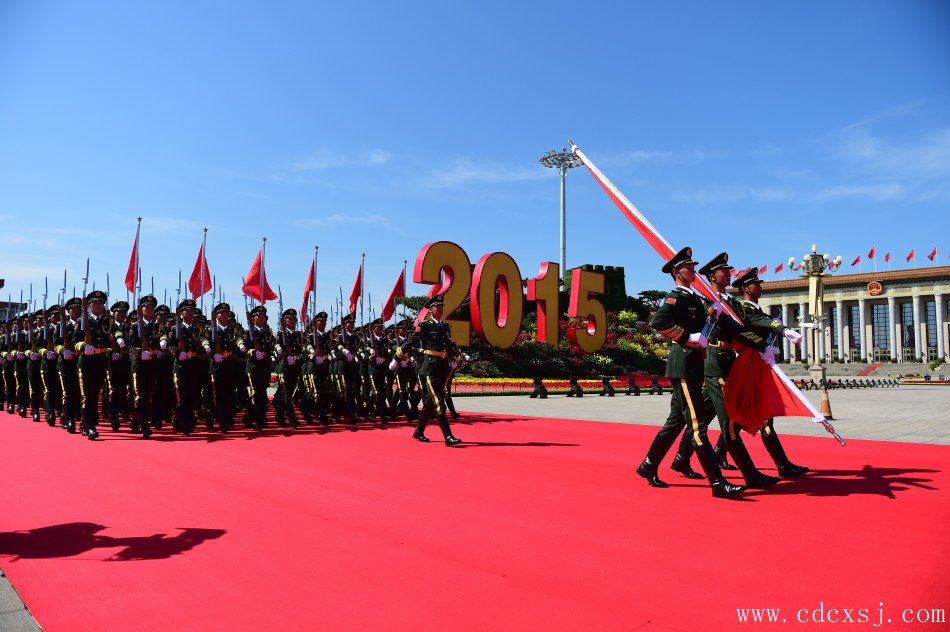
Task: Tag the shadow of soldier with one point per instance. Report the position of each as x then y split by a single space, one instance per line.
869 480
75 538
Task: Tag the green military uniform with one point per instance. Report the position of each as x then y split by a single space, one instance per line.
258 366
120 366
191 366
92 340
34 365
289 350
405 376
145 349
320 367
68 365
380 355
52 389
348 346
434 339
758 321
681 318
226 364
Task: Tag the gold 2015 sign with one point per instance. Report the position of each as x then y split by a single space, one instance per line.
497 304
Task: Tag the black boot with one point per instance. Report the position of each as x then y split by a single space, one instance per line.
754 479
720 487
786 469
450 439
721 453
647 470
680 462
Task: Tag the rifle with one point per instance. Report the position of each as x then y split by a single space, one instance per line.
45 324
62 314
280 306
19 345
85 307
29 331
181 343
214 319
247 314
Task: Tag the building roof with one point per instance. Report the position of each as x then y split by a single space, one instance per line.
832 280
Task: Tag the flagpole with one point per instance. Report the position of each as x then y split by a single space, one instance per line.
204 257
260 275
404 288
362 285
874 248
138 271
313 310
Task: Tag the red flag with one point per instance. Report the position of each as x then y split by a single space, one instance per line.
779 267
198 284
132 274
856 261
913 253
252 282
309 286
871 254
932 255
398 290
887 256
357 290
764 269
794 402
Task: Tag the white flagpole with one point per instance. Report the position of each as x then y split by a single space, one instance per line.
204 257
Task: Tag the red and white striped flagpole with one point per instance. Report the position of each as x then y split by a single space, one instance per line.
666 252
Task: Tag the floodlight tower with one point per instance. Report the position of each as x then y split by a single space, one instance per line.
562 161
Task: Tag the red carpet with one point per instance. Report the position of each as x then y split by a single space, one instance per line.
535 524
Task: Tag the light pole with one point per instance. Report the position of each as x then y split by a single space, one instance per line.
562 161
813 268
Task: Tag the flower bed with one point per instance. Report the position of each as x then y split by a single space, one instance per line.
466 385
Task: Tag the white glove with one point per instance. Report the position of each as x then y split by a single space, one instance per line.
163 344
318 359
67 354
698 340
768 356
792 336
467 358
717 306
115 356
207 348
146 356
19 355
393 365
218 357
453 365
34 356
242 348
403 363
182 356
50 355
121 342
349 356
379 360
88 349
291 359
258 355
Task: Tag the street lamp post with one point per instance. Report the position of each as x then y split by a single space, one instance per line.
562 161
813 268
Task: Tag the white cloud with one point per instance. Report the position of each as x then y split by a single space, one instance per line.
327 159
873 191
341 218
464 171
730 194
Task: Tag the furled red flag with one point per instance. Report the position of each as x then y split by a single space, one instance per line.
131 274
760 406
309 286
871 254
798 267
200 280
932 255
399 289
357 290
887 256
913 253
253 281
779 267
764 269
856 261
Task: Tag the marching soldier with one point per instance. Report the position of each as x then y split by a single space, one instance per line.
52 388
120 368
289 350
347 349
145 349
34 364
164 396
755 318
405 375
184 342
23 327
681 318
379 358
68 364
226 366
720 356
93 341
320 375
258 367
433 337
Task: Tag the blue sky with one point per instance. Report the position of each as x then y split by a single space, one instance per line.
757 128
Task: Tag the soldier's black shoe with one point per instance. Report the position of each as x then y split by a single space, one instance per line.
23 413
294 423
91 434
682 466
726 465
36 417
70 427
115 425
418 436
790 470
146 431
758 480
724 489
450 440
647 471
